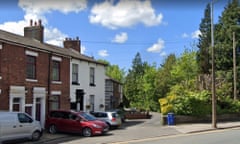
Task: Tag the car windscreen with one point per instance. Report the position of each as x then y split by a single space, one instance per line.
87 116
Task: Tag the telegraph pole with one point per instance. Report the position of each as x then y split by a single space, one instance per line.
214 101
234 69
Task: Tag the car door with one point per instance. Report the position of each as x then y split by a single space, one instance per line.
24 125
70 123
75 123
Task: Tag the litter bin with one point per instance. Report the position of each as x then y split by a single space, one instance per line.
170 118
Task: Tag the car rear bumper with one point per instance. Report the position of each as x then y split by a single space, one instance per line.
100 131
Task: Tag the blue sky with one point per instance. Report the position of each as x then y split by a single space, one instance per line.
114 30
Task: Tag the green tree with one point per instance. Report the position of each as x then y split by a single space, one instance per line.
186 70
113 71
203 54
133 82
163 80
224 29
149 91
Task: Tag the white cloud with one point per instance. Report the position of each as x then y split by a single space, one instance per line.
121 38
103 53
163 54
54 36
157 47
35 10
124 13
195 35
185 35
46 6
83 49
14 27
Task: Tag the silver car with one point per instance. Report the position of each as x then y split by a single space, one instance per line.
18 125
111 118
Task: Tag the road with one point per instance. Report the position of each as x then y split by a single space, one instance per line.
227 136
132 129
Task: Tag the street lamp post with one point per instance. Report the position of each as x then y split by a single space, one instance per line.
214 102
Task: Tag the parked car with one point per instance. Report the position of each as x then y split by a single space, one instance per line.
18 125
121 113
111 118
74 122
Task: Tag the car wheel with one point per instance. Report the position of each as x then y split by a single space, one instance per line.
87 132
52 129
36 135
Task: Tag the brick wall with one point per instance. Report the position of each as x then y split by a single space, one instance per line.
13 72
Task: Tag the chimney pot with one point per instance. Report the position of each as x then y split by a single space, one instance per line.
40 22
31 22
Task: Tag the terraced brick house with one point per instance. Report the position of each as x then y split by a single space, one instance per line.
36 77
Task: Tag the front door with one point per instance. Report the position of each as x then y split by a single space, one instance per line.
79 99
92 99
38 109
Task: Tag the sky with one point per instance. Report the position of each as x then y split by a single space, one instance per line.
114 30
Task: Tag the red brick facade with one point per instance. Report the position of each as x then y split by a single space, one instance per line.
13 72
34 96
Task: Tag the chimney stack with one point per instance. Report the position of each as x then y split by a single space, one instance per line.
70 43
35 31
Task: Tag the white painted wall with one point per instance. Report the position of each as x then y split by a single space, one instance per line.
84 79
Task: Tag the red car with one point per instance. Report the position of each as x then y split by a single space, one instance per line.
74 122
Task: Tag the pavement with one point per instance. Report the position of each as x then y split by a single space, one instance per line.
138 129
201 127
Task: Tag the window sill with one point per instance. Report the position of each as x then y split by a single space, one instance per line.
31 80
91 84
75 83
56 82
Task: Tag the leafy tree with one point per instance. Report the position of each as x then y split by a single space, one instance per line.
116 73
133 82
149 91
203 54
163 80
224 29
113 71
185 71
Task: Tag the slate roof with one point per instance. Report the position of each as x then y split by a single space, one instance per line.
15 39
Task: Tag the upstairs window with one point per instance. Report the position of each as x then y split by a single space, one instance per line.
92 76
56 71
31 67
75 74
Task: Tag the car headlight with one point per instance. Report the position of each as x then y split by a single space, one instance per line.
96 126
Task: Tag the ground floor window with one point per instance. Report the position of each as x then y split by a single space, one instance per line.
54 102
16 104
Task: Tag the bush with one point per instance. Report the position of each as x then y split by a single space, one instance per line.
166 104
193 104
226 105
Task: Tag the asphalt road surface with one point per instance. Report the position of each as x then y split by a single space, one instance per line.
227 136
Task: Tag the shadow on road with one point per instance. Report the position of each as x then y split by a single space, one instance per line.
130 123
